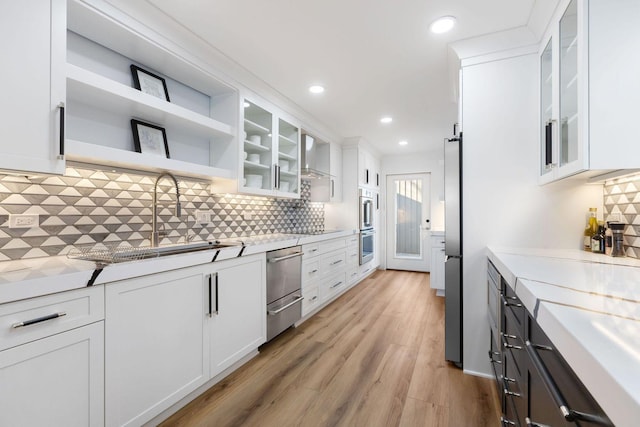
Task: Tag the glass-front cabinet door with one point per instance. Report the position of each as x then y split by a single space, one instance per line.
568 86
258 170
287 169
546 108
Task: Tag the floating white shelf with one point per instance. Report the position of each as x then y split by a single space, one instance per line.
110 95
288 174
98 154
252 165
286 156
287 140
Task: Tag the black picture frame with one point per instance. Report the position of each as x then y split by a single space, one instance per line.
149 83
150 139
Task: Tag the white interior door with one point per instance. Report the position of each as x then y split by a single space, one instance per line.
408 221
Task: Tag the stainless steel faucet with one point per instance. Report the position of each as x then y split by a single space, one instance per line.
155 234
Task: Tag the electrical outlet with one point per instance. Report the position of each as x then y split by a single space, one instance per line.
203 217
248 216
24 220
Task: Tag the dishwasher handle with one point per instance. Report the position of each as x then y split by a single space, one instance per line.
284 307
282 258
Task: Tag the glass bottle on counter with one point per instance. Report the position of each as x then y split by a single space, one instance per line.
591 229
597 241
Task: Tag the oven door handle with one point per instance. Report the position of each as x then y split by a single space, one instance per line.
283 308
282 258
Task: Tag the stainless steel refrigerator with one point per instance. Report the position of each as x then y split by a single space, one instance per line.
453 247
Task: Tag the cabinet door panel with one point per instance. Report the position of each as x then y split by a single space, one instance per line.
54 381
239 326
156 343
29 103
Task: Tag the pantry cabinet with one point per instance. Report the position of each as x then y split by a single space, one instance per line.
588 89
368 170
33 93
270 161
335 172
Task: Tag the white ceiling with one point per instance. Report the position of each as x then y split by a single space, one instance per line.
375 57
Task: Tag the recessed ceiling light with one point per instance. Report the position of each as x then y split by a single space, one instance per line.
403 142
386 120
442 25
246 104
316 89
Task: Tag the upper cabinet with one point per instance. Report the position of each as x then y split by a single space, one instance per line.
589 89
335 172
368 170
271 152
33 97
197 112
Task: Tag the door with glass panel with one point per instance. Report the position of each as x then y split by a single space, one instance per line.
408 221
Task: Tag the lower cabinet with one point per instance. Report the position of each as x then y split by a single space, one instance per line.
54 381
238 320
169 333
157 343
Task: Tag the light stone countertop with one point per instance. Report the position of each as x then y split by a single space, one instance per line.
35 277
589 307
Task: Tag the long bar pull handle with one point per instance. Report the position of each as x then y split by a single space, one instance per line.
333 188
568 413
61 152
548 138
209 311
38 320
282 258
216 293
506 422
283 308
512 304
336 262
366 176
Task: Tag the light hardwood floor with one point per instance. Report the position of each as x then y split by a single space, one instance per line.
374 357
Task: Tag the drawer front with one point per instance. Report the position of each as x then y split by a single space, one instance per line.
353 241
352 275
494 303
73 308
311 250
353 256
331 245
512 343
310 270
332 263
311 299
331 286
510 302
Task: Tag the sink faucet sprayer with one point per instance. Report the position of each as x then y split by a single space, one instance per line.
155 234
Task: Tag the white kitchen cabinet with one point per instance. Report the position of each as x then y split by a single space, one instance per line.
239 303
156 343
335 172
368 169
52 368
270 161
32 130
588 89
200 118
55 381
436 275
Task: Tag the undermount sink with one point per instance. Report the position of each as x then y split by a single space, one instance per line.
106 255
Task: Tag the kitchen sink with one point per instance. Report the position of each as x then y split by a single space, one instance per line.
111 255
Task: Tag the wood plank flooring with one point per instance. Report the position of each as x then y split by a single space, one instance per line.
374 357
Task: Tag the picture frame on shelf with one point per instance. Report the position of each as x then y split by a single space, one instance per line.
150 139
149 83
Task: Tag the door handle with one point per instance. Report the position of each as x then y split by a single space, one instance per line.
281 309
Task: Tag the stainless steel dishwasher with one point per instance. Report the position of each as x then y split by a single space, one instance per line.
284 296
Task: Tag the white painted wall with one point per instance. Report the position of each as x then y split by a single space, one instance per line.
502 201
431 162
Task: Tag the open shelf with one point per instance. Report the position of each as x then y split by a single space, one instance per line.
252 165
110 95
287 140
100 155
286 156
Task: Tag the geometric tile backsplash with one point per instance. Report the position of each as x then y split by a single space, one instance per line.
85 207
622 204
